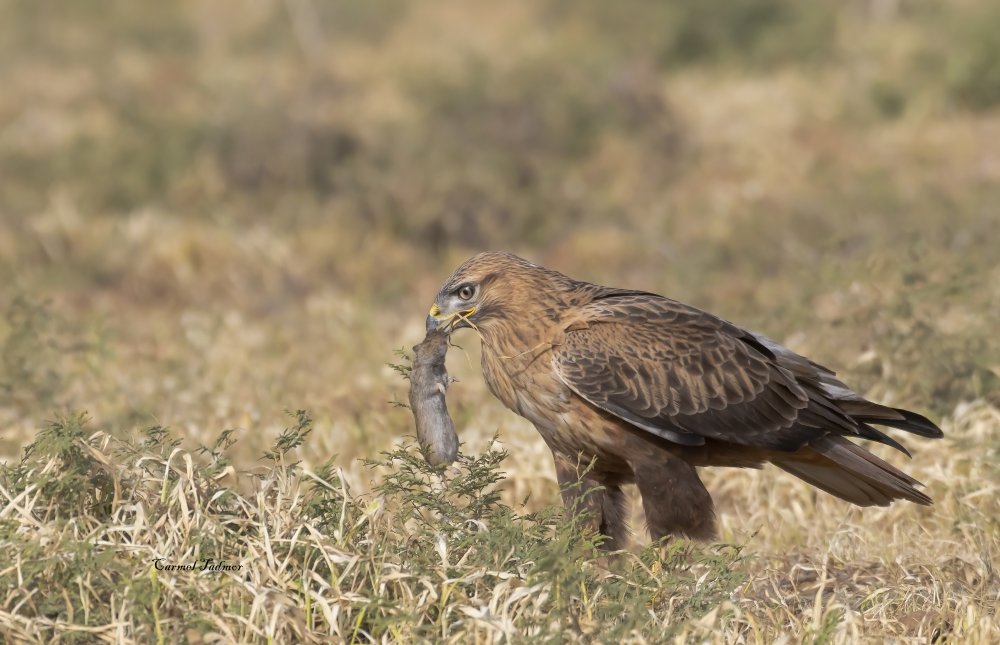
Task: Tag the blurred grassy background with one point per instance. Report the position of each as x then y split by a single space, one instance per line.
214 211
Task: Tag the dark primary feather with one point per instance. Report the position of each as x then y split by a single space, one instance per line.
687 376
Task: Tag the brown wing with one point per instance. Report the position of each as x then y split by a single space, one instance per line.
685 375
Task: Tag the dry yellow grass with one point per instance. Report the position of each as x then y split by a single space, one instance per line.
214 213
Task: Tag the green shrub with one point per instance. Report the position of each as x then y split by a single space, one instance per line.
423 557
741 33
973 58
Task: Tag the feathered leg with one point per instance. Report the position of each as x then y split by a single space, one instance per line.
673 497
602 499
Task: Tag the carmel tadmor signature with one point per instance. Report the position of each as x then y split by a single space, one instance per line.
206 564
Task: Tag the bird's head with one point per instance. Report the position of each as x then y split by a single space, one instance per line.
485 289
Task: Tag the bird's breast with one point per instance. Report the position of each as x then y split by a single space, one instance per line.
530 386
525 382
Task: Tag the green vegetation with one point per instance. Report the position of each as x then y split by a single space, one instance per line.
214 212
420 558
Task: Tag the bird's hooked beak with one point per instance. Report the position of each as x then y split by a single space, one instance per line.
448 322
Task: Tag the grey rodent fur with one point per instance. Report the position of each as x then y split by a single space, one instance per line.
428 382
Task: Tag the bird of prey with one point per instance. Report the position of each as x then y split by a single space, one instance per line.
629 386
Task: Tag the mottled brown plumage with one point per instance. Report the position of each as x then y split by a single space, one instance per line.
645 389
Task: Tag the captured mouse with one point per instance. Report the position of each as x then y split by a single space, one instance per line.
428 382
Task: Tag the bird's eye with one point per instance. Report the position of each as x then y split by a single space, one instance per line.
466 292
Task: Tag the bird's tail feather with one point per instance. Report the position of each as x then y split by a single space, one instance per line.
841 468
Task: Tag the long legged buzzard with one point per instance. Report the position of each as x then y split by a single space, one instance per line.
647 389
